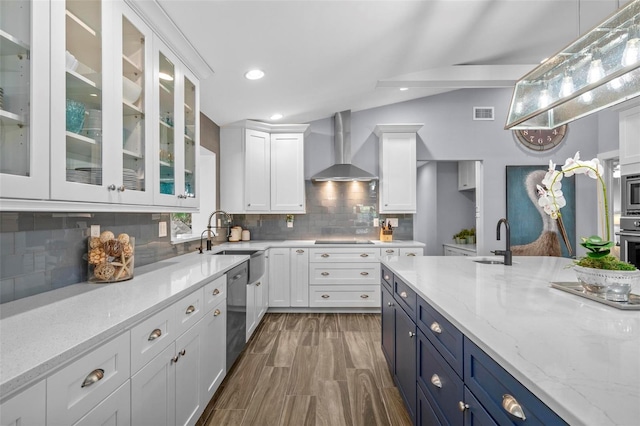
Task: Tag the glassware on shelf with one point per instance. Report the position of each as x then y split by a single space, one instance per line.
75 116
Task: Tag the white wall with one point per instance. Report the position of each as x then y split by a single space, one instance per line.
450 134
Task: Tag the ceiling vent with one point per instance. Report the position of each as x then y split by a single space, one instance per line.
483 113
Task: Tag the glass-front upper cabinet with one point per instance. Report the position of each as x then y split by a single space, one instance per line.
177 130
24 99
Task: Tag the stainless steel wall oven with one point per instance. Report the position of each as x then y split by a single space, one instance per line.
631 195
630 240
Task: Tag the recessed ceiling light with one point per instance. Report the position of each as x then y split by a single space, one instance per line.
164 76
402 89
276 116
254 74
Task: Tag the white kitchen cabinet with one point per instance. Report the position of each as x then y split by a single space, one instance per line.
26 408
152 336
255 305
299 279
451 250
398 170
287 173
189 381
114 410
263 171
24 112
279 277
153 391
76 389
412 251
466 175
344 296
214 359
630 141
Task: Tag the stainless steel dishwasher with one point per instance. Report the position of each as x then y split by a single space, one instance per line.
237 280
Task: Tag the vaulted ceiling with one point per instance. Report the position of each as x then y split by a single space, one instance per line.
323 56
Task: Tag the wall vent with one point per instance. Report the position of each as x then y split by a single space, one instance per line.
483 113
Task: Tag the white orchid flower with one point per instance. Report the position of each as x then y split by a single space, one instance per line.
595 169
570 165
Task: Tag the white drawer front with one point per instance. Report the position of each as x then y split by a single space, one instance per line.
115 410
76 389
368 254
189 310
389 251
214 292
344 273
152 336
348 296
411 252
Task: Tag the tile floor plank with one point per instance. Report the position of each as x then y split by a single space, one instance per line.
331 360
356 349
242 383
226 417
333 406
367 406
299 410
398 414
267 402
301 379
284 349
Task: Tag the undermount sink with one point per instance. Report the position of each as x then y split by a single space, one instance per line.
489 261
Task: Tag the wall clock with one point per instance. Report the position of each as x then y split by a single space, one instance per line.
541 139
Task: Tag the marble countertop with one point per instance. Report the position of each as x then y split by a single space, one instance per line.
579 357
266 244
42 332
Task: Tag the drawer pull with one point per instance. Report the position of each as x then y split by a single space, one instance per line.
216 292
435 327
325 296
389 304
404 294
325 255
216 312
95 376
258 283
364 255
364 296
191 309
364 273
324 274
390 251
435 381
155 334
512 406
183 352
299 251
411 254
411 334
462 406
387 277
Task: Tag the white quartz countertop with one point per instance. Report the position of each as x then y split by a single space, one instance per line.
42 332
267 244
580 357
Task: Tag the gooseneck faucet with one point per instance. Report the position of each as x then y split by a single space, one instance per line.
507 252
209 227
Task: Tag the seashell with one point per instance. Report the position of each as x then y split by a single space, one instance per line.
94 242
104 271
127 250
113 248
123 238
97 256
106 236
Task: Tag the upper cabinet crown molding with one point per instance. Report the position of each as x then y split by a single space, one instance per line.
397 128
154 15
271 128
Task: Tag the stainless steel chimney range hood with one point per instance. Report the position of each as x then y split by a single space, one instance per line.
343 170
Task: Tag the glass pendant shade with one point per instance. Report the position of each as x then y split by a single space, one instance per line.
598 70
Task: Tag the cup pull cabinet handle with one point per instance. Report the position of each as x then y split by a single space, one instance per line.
325 296
95 376
191 309
411 254
435 381
216 292
404 294
155 334
364 296
364 255
324 255
299 251
389 251
324 274
435 327
364 273
513 407
387 277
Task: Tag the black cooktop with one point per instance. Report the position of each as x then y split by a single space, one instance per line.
343 242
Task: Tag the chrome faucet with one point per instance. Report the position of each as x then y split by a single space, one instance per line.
507 252
209 227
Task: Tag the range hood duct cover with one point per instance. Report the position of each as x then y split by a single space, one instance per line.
343 170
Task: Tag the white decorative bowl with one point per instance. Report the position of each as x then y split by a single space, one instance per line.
616 284
130 90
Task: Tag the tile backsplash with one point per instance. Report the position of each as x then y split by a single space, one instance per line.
45 251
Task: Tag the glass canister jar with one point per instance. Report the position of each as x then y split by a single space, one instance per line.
110 258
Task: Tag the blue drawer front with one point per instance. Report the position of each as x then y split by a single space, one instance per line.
425 416
475 414
489 382
448 341
405 297
388 327
387 278
405 368
444 399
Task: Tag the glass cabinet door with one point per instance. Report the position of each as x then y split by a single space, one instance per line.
24 98
166 112
190 146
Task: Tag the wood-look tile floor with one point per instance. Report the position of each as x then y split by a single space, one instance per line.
310 369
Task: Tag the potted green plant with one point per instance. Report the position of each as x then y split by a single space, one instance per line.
460 237
598 271
471 236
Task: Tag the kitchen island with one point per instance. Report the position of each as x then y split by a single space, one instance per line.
579 357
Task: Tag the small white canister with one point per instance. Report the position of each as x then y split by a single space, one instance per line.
246 235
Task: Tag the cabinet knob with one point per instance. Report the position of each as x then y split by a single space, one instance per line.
411 254
364 273
364 255
216 292
386 204
121 188
435 327
325 296
175 359
325 255
95 376
364 296
216 312
181 196
111 187
183 352
299 251
404 294
513 407
462 406
435 381
389 304
249 205
155 334
411 334
324 274
300 205
191 309
258 283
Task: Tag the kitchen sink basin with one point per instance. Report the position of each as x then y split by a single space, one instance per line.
489 261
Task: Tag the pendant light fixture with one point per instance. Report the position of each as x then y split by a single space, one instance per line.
598 70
